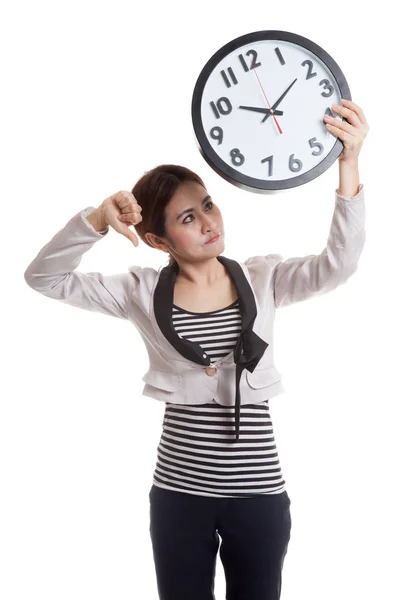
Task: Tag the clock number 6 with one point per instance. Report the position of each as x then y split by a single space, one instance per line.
295 164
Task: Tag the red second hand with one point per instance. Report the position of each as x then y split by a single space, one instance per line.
277 124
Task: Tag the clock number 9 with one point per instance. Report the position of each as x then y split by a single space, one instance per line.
217 134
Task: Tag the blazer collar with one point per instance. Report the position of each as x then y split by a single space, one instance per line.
249 347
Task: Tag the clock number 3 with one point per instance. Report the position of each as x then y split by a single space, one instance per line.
325 82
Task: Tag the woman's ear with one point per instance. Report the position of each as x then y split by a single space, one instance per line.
156 242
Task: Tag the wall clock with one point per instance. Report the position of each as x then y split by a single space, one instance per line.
258 107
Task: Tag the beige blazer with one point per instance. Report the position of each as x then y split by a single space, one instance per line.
180 371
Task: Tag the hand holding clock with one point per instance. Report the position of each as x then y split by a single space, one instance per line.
352 133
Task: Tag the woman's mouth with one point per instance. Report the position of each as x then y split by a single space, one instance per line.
214 239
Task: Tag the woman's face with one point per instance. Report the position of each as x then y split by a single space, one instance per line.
192 219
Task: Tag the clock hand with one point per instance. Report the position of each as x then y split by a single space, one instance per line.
262 110
279 100
262 89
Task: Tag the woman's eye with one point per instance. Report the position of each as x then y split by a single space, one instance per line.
185 222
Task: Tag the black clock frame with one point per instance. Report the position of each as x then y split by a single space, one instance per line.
231 174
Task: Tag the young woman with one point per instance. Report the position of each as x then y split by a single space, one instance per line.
206 320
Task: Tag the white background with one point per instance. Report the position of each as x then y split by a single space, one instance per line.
93 95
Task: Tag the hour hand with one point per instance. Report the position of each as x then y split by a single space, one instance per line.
262 110
279 100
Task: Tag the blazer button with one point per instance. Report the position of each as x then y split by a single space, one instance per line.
211 370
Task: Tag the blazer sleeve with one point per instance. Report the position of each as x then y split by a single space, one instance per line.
297 279
53 271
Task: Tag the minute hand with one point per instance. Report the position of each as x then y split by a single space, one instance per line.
278 101
261 110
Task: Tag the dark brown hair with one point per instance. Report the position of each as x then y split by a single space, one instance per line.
153 191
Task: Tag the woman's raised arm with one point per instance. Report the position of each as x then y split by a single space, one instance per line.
53 271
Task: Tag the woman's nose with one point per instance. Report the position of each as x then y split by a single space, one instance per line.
209 223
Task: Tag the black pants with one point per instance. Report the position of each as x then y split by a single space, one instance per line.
186 531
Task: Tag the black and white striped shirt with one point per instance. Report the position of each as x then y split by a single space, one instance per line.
195 453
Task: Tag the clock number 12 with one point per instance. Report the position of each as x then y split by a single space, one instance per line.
254 64
229 73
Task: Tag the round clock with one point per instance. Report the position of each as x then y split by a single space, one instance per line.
258 108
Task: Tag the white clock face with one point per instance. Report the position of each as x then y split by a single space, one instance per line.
255 75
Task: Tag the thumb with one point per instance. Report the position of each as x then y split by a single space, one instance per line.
128 233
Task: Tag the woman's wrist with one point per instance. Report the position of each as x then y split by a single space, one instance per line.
95 218
349 178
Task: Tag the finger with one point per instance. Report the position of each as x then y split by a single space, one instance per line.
131 208
344 136
351 116
132 237
356 108
128 233
337 124
132 217
124 198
